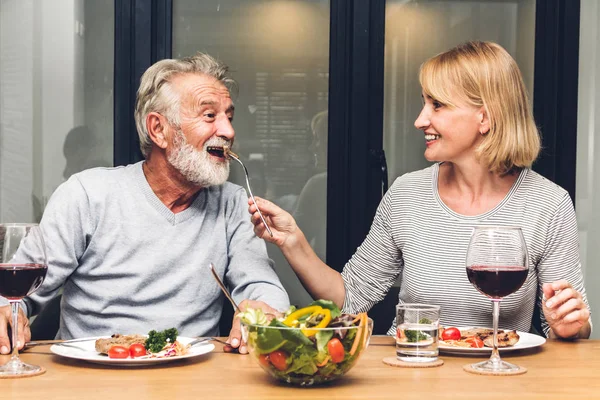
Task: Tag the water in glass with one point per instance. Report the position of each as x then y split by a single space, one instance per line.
417 332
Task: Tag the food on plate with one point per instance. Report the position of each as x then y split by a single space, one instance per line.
450 334
505 339
103 345
157 341
118 352
309 345
137 350
477 337
157 344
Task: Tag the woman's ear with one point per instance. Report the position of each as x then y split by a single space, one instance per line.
156 125
484 120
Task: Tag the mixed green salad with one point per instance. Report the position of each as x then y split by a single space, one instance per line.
310 353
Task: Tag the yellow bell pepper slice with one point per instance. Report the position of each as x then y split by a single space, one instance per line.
323 324
292 319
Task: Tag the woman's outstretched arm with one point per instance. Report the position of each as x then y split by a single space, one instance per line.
320 280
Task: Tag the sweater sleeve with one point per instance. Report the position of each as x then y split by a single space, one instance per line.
65 224
376 265
250 273
560 259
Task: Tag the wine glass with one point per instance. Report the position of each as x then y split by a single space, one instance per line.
23 267
497 265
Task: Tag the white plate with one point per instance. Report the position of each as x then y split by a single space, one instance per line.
526 341
86 350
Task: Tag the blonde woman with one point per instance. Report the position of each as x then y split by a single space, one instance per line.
478 126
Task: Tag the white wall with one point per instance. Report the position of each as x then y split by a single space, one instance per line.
17 109
41 99
59 83
587 200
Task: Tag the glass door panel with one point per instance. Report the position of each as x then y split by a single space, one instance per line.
419 29
587 200
278 51
56 98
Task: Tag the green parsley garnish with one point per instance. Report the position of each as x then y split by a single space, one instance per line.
158 340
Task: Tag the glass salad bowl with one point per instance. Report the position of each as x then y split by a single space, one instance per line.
309 346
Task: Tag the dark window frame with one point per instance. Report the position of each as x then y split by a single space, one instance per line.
356 71
556 86
143 35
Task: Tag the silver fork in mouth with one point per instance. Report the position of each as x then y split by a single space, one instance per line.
230 154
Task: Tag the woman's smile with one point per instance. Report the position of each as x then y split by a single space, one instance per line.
430 138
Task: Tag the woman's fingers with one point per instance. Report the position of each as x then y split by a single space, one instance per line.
565 308
259 230
561 297
580 315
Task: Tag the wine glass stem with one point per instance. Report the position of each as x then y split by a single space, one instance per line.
14 328
495 358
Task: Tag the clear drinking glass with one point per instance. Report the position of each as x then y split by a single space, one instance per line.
417 332
23 267
497 265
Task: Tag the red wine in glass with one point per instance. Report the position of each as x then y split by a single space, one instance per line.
20 280
497 282
497 265
23 267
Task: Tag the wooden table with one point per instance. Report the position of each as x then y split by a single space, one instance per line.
557 370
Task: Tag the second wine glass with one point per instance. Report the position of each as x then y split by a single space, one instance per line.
497 265
23 267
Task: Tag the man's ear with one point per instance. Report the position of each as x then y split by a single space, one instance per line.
484 121
156 124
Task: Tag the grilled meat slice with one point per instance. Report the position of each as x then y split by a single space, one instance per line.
481 333
103 345
505 339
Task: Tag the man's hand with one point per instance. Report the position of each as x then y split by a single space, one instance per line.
23 331
565 311
235 336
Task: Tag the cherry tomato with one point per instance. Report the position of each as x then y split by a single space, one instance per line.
263 359
336 350
399 334
118 352
474 341
451 334
137 350
279 360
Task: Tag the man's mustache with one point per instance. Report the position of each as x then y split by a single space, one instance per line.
218 143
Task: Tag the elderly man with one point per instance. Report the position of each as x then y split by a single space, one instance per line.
132 245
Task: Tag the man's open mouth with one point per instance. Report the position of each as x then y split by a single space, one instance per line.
216 151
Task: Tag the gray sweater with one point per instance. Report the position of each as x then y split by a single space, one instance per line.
129 265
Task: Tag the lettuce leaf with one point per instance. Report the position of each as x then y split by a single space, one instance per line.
330 305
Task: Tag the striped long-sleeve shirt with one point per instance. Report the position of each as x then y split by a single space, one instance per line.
417 239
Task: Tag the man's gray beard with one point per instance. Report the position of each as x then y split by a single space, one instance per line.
196 166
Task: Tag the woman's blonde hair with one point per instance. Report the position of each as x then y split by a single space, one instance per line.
483 74
156 95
